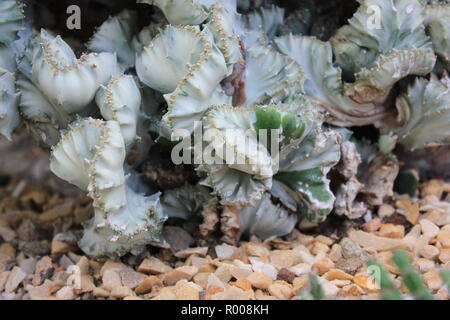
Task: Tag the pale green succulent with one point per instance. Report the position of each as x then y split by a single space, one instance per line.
185 202
11 20
437 22
116 35
9 100
55 85
185 65
424 114
266 219
384 42
120 100
91 156
182 12
55 68
303 156
324 83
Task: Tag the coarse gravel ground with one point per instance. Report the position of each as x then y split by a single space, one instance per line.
39 258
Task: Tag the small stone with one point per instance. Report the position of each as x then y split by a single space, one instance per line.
325 240
111 279
281 291
200 251
42 292
303 255
241 255
185 272
7 234
429 252
83 265
444 257
242 283
153 265
197 261
223 272
433 216
286 275
59 211
165 294
282 258
212 291
444 220
4 223
365 282
433 187
335 253
416 245
214 281
350 265
390 230
368 240
58 247
443 293
337 274
36 248
372 225
15 278
259 280
385 211
28 230
233 293
351 290
265 268
304 239
131 278
323 266
424 265
186 292
257 250
350 249
241 270
201 279
330 290
432 279
444 238
63 243
300 283
28 265
44 270
87 283
340 283
36 196
225 251
414 233
319 247
100 292
7 253
207 267
412 212
147 285
300 269
177 237
3 278
121 292
65 293
429 229
132 298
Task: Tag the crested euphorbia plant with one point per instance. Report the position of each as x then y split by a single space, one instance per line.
268 99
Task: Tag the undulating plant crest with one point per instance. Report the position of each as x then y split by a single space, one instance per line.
230 69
